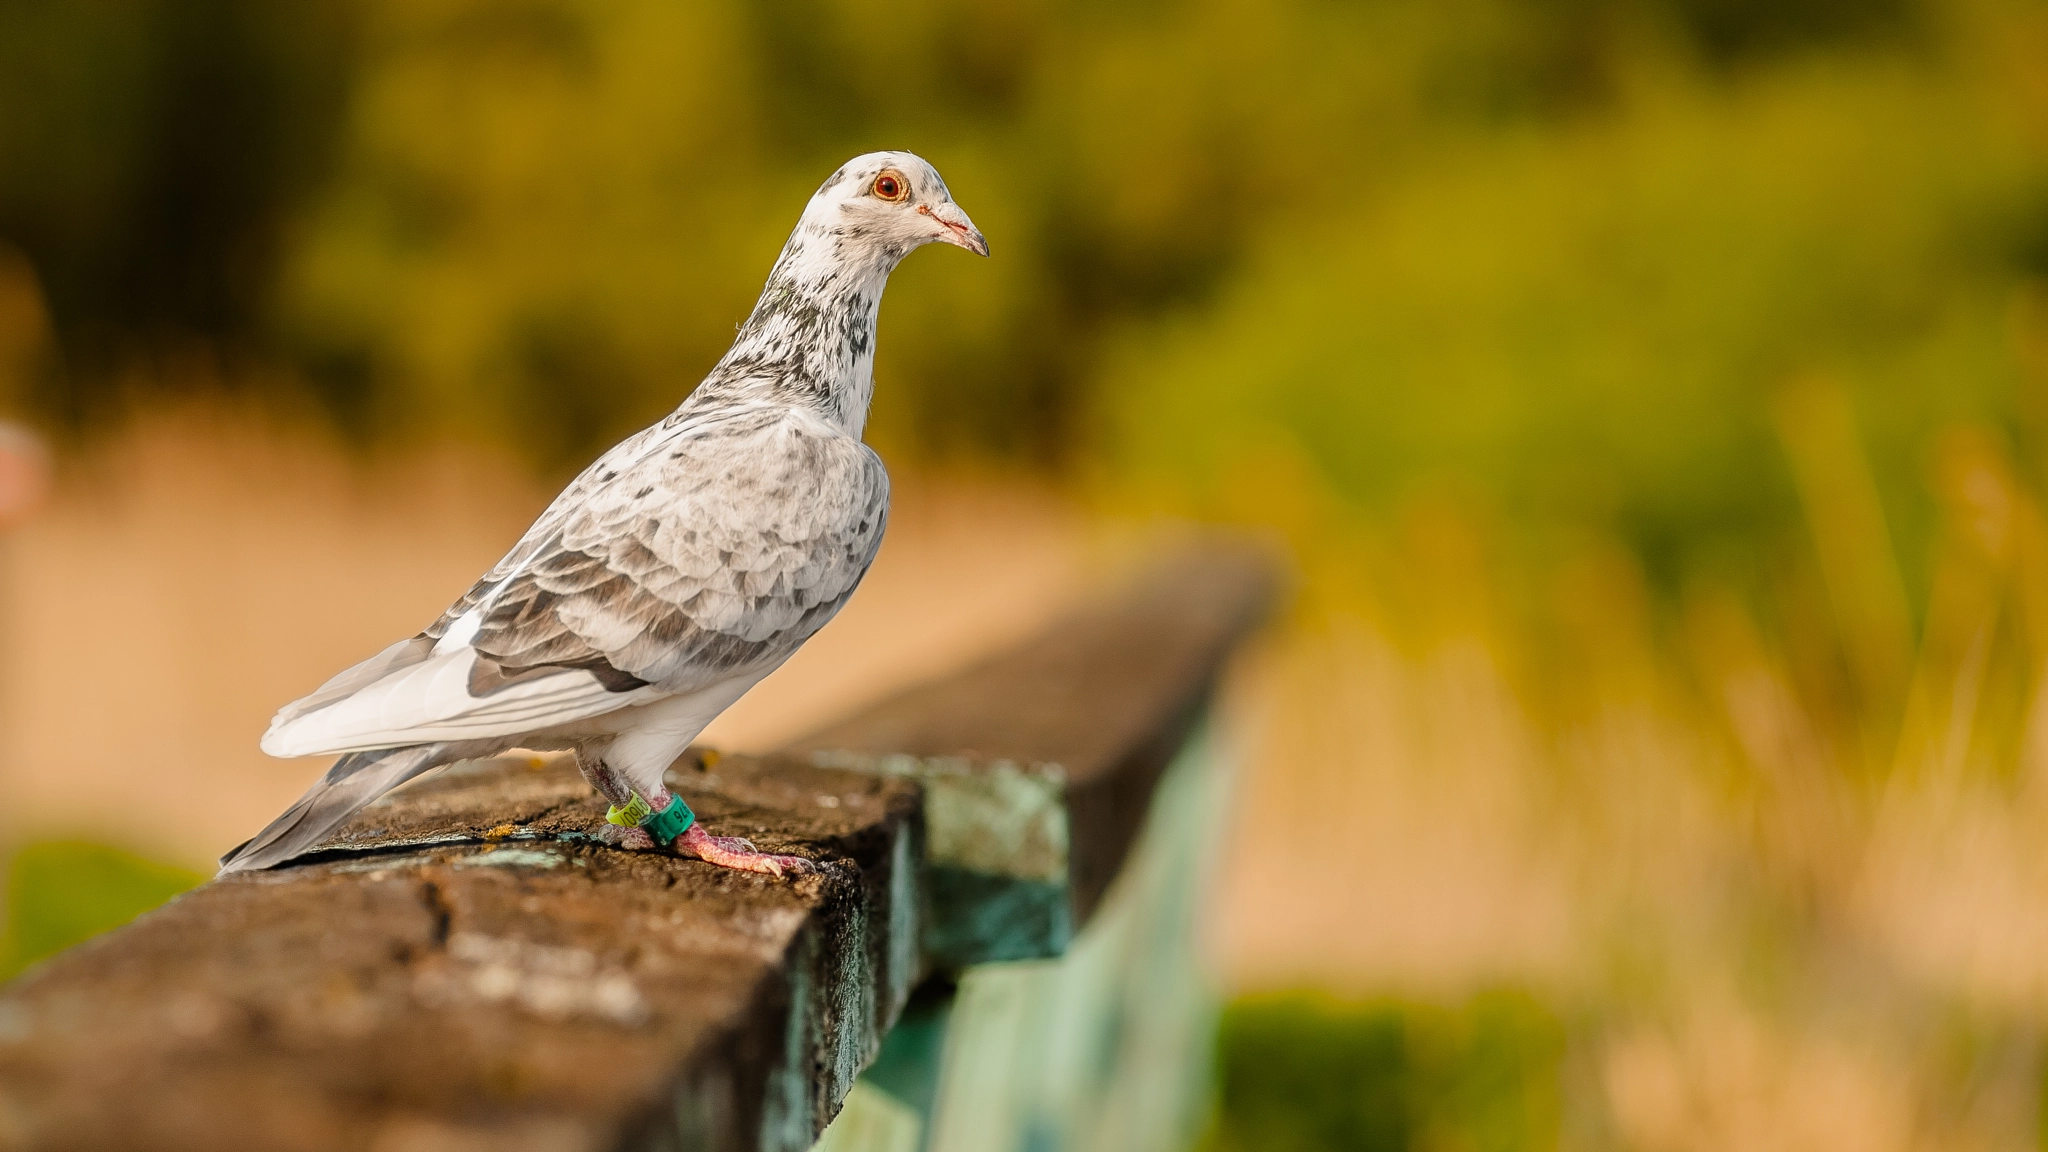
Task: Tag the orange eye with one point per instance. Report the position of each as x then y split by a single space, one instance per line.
892 186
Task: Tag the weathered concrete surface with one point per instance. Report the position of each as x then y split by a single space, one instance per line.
465 966
1038 764
401 995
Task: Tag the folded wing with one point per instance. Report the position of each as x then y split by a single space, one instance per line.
692 553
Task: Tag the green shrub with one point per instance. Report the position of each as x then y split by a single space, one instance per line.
1300 1072
62 892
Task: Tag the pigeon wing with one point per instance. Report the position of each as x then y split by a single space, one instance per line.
693 553
717 552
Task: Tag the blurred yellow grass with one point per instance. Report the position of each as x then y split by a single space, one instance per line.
1760 940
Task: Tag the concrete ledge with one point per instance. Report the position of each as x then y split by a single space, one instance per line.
1038 764
417 989
465 966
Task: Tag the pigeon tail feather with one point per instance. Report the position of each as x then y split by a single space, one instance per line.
352 784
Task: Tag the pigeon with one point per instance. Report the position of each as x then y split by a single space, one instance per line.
668 578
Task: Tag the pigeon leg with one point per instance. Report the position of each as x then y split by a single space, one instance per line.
724 851
613 788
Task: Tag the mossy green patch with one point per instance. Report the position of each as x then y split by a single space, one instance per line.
62 892
1301 1072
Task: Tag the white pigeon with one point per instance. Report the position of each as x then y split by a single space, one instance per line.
678 570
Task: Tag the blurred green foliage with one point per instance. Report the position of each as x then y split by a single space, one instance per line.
537 219
63 892
1591 326
1301 1073
150 154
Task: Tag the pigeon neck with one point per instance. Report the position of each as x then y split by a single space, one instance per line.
811 336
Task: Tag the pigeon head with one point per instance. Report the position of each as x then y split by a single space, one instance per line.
884 204
811 336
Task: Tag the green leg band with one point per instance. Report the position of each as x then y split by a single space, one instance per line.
670 823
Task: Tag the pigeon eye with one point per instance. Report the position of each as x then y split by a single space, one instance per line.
892 186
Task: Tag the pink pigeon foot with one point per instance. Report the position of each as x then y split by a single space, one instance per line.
734 852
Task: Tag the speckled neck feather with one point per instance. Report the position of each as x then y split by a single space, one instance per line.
811 337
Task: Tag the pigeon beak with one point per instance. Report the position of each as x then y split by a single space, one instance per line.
955 227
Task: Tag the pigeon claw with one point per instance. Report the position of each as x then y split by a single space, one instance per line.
734 852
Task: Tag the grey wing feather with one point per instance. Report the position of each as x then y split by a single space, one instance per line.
355 780
545 531
708 549
403 654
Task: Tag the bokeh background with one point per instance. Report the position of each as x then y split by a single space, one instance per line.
1650 394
